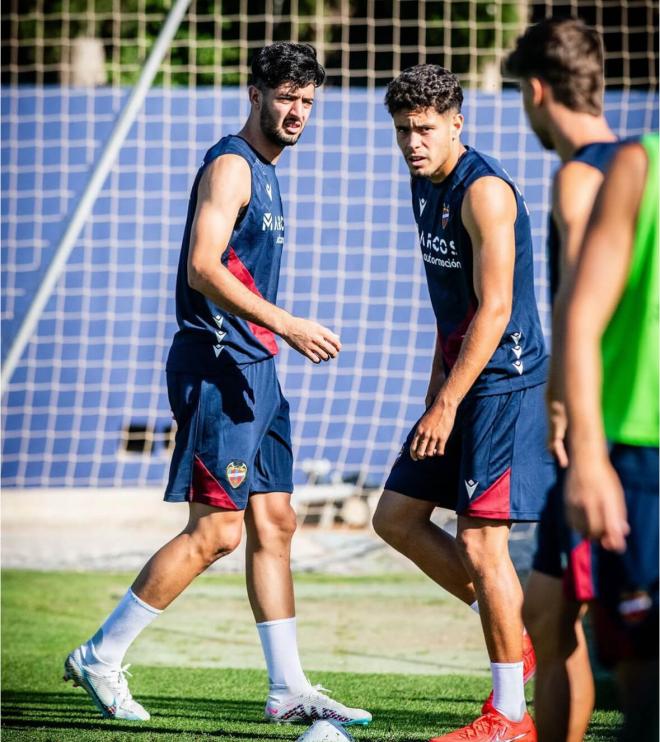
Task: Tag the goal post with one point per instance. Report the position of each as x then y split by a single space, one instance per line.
85 203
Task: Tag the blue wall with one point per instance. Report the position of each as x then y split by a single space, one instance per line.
95 364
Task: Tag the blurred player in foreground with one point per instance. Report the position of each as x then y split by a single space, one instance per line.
560 67
480 447
612 376
232 460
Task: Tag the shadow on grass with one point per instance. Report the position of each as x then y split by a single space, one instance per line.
230 719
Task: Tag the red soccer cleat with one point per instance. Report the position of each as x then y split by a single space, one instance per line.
529 668
493 727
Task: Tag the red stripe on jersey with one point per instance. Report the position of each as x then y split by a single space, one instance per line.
451 345
495 502
238 269
206 489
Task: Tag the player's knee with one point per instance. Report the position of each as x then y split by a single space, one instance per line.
213 545
392 530
278 527
471 545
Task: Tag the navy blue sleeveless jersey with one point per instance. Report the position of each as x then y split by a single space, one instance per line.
520 360
598 155
208 337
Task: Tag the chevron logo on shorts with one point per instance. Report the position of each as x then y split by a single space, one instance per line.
236 473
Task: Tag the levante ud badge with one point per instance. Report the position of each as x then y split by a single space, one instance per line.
236 473
445 215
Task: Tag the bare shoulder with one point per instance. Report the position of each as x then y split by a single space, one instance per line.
631 159
489 198
572 175
574 189
227 177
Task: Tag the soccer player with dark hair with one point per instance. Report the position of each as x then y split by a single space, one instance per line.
479 449
232 461
611 369
559 63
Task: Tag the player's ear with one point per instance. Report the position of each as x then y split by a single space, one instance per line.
536 90
254 94
456 124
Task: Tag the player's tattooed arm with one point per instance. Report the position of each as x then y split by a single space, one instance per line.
489 214
574 190
594 498
224 190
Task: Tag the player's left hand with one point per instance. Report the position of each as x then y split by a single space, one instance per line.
433 430
595 504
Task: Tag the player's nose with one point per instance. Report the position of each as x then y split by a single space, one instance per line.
298 109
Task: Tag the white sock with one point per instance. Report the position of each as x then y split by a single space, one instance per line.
508 689
120 629
475 607
280 646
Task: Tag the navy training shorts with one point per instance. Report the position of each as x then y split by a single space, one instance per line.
233 436
623 587
496 463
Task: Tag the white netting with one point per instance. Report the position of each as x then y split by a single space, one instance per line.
87 404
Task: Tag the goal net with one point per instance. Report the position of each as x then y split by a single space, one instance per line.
86 405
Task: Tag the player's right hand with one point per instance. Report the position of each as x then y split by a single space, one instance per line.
595 503
313 340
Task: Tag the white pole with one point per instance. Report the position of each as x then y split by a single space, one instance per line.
85 204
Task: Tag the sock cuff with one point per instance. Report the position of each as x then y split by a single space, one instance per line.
277 622
140 602
506 665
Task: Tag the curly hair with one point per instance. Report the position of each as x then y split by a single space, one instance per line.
285 61
568 55
424 86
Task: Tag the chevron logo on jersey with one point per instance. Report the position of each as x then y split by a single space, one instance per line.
445 215
422 205
269 191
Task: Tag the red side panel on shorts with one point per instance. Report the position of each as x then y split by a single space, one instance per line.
495 502
206 489
578 581
236 268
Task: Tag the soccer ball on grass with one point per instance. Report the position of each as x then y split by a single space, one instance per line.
325 730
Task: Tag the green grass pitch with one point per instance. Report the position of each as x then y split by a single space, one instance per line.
44 615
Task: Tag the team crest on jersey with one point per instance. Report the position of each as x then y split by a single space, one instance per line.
236 473
445 215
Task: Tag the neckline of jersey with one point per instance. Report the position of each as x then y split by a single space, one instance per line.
262 159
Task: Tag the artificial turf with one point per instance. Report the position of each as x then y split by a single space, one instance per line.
45 614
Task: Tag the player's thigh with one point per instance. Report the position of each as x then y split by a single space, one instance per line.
398 513
433 481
